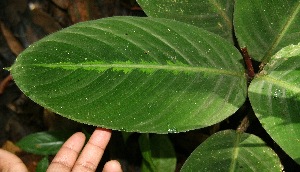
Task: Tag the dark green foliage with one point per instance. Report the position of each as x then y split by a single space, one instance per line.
155 75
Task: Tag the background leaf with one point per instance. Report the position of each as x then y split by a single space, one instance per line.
147 163
43 165
134 74
43 143
231 151
213 15
275 97
264 27
158 153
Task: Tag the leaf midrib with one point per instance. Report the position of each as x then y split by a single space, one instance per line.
222 13
152 67
281 83
47 144
235 152
282 32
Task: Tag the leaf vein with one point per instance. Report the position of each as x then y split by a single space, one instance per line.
281 34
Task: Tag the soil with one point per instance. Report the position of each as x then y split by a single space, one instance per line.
26 21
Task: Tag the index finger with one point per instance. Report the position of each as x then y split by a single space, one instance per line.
68 153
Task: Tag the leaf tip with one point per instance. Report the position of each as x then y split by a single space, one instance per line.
7 68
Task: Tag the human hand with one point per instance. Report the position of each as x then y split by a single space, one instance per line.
67 157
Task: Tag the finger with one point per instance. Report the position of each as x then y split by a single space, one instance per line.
112 166
93 151
10 162
68 153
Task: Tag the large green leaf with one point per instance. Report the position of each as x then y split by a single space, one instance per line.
275 97
264 27
134 74
212 15
231 151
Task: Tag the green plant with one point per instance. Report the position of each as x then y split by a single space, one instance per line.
173 72
45 144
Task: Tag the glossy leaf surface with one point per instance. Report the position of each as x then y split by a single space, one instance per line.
213 15
275 97
231 151
43 143
134 74
264 27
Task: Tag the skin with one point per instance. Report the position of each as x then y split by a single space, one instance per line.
10 162
69 157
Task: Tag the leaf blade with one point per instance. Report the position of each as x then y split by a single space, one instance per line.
214 15
158 153
274 96
266 27
231 151
42 165
154 75
43 143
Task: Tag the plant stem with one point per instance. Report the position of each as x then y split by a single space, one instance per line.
248 62
244 125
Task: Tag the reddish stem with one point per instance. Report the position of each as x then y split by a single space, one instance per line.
248 62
